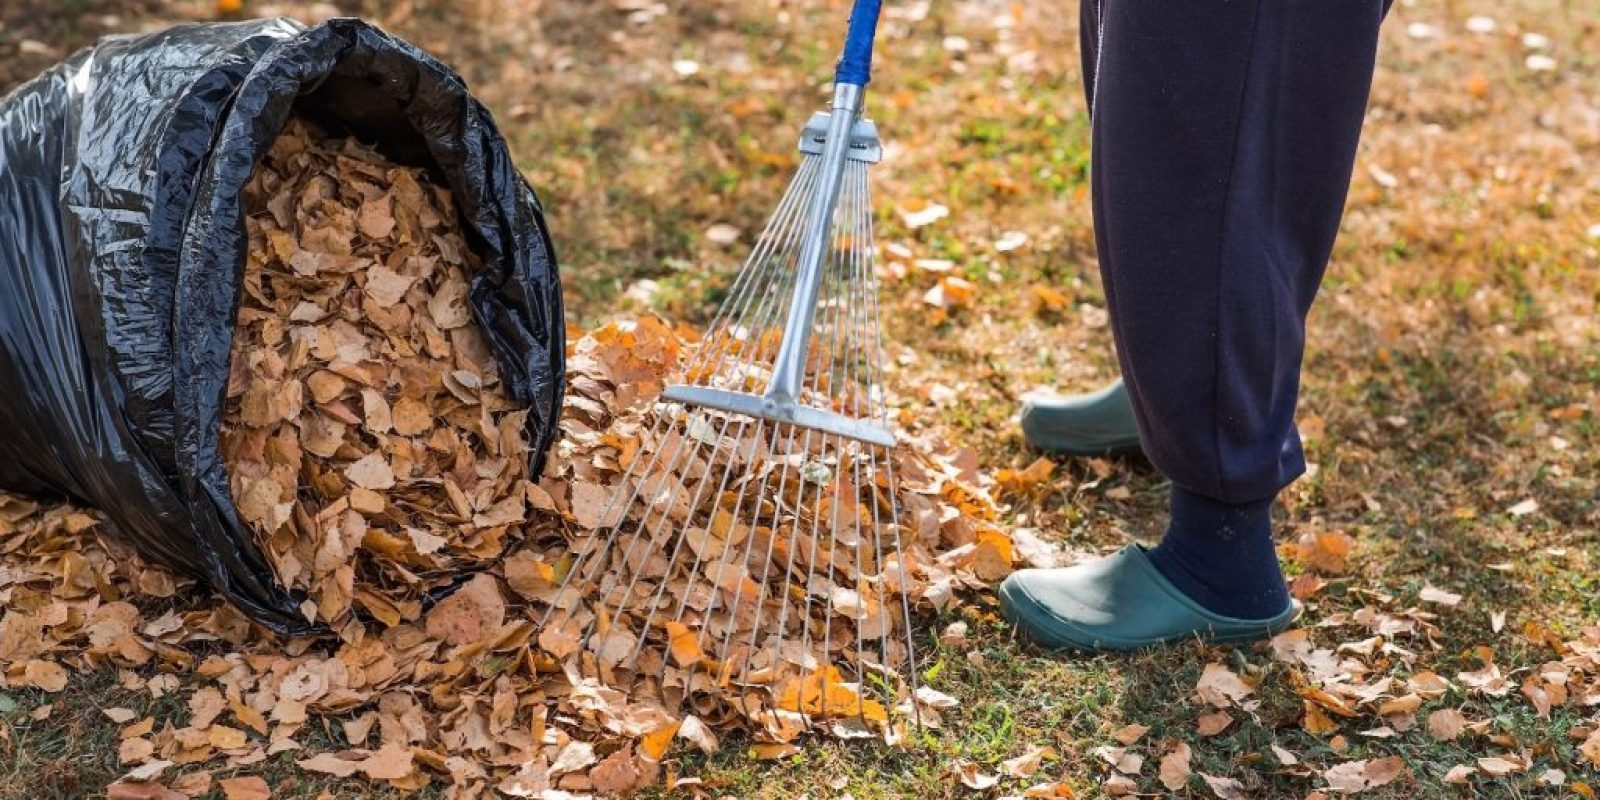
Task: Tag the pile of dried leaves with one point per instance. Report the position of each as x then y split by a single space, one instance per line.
759 571
369 444
379 464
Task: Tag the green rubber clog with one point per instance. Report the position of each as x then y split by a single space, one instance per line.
1120 602
1098 423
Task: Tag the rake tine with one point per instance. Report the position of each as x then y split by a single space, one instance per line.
765 315
778 254
750 542
669 472
783 219
877 549
760 601
722 560
876 380
694 570
775 234
654 535
843 330
825 657
805 652
679 450
799 506
855 461
766 567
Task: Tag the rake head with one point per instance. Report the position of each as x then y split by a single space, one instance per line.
757 539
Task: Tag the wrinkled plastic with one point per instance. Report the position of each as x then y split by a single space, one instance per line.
122 249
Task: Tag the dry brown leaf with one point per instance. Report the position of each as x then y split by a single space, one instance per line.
46 675
1025 765
1221 687
773 752
1121 759
695 731
993 555
1499 767
973 777
653 745
1446 724
330 764
1224 788
247 787
140 790
683 644
391 762
1433 594
1128 734
1428 684
1487 680
1213 723
1118 785
593 506
574 756
1590 748
1359 776
148 771
1023 481
1404 704
1175 767
616 773
223 737
411 417
472 613
134 751
193 784
386 287
371 472
1048 298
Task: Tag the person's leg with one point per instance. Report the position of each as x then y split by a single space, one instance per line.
1099 422
1223 139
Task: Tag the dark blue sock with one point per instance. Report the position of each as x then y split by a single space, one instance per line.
1221 556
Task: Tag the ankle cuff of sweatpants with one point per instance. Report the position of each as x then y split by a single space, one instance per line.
1192 505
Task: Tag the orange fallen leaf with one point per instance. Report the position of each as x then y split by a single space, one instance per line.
1325 551
654 744
683 644
1047 298
772 752
993 556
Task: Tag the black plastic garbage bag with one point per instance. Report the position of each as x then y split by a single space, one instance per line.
122 248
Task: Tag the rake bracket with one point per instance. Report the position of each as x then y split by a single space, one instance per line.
864 143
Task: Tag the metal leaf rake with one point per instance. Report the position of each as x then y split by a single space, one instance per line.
757 545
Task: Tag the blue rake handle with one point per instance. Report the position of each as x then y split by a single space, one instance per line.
855 66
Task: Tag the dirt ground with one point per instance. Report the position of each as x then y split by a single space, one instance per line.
1450 402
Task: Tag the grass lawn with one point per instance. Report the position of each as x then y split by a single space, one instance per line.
1450 401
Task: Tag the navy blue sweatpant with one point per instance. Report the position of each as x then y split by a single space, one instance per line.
1224 135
